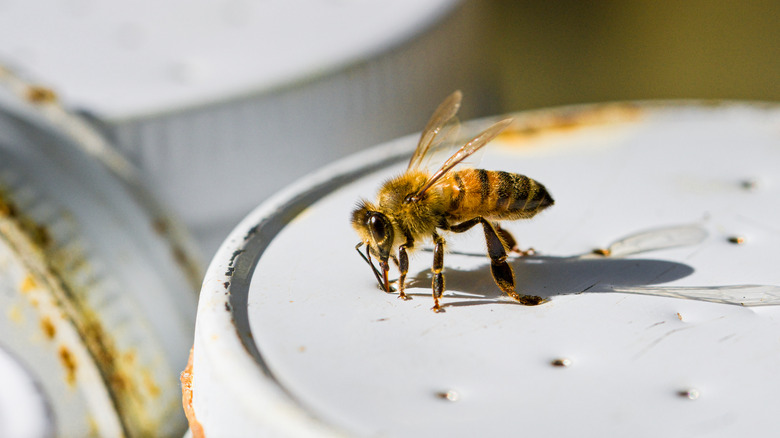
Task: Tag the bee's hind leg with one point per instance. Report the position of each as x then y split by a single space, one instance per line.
510 243
502 272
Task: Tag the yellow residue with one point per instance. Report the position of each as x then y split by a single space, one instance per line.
69 362
554 124
48 328
120 382
129 358
39 94
28 284
151 386
15 314
94 429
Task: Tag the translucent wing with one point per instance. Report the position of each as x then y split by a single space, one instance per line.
443 125
747 295
655 239
464 152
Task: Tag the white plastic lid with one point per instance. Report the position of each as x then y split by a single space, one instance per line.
674 333
24 409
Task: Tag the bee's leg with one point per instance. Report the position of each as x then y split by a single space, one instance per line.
438 267
509 241
403 268
502 272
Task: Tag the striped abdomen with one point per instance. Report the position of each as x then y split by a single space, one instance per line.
494 195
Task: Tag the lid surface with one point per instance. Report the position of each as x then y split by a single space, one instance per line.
684 197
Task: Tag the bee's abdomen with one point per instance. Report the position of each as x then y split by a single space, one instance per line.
496 195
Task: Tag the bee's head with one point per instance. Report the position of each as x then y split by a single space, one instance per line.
375 229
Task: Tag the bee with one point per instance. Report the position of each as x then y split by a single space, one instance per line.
415 206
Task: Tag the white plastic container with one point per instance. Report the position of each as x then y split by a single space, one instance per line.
668 329
24 410
224 103
97 282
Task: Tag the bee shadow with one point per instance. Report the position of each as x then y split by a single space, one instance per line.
551 276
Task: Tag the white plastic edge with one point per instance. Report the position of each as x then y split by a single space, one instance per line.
23 407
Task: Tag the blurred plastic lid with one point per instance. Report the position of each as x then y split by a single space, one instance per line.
97 283
122 59
669 329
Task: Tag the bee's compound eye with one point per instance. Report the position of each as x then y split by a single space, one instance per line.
377 226
382 235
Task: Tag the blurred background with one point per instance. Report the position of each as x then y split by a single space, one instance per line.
553 53
208 98
221 104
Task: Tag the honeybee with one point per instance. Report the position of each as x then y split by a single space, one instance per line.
416 205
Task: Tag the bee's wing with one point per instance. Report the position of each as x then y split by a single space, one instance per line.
464 152
442 126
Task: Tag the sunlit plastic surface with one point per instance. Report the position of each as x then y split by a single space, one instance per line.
650 200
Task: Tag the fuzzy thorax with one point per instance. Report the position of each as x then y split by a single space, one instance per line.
410 219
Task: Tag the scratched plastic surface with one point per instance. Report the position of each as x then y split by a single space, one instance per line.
682 201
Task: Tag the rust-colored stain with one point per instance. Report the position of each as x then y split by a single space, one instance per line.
534 123
69 362
186 400
39 94
49 330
